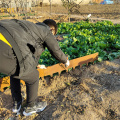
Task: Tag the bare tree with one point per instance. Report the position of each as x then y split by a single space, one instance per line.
41 4
21 7
18 6
50 6
6 5
71 6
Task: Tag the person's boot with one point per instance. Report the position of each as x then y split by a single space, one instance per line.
37 107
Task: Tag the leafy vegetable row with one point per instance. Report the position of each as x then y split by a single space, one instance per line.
84 38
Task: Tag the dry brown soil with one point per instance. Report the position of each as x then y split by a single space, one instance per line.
88 93
97 11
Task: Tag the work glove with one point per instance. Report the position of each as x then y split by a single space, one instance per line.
67 63
41 67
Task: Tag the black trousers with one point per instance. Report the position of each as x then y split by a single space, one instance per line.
10 67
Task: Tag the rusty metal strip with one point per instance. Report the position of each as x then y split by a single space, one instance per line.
57 68
5 82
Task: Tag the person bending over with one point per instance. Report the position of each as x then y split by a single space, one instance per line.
21 45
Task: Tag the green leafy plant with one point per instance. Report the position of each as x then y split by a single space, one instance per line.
84 38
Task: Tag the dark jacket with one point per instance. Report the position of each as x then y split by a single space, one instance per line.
29 41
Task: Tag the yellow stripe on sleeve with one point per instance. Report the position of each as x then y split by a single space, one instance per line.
4 40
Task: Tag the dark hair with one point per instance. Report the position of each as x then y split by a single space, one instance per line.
51 23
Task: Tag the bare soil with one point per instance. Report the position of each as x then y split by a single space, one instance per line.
98 12
88 93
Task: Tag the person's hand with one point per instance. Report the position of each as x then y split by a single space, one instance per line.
67 63
41 67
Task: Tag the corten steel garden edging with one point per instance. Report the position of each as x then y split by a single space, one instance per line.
57 68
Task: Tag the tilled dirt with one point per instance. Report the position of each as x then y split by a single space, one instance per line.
98 12
87 93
